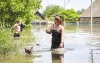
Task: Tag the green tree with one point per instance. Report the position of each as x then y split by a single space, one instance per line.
67 14
52 10
70 14
11 10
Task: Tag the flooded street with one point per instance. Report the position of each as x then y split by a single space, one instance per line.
81 45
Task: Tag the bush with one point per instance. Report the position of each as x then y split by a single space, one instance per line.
5 41
28 26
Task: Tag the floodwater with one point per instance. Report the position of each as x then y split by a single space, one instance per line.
82 45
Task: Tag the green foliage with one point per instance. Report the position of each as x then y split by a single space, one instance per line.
11 10
52 18
66 14
28 26
5 40
69 14
52 10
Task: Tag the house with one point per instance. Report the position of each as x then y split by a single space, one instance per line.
86 15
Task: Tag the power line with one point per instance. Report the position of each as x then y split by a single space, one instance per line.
63 3
67 2
47 2
54 1
76 4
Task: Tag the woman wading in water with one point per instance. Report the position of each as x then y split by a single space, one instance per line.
57 31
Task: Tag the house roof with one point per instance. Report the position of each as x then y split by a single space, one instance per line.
39 14
95 10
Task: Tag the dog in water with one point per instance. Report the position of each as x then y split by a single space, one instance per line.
29 50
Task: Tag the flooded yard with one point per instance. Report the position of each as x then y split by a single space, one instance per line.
82 45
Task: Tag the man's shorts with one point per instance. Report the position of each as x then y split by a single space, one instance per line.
16 35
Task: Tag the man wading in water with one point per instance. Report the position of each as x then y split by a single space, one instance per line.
17 29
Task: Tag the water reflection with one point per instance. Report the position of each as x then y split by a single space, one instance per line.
49 57
91 56
57 58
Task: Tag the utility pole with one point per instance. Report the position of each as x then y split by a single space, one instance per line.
64 16
64 4
91 15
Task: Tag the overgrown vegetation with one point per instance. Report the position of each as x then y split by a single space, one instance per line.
7 42
12 10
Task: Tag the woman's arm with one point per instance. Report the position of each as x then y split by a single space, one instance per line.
49 32
62 36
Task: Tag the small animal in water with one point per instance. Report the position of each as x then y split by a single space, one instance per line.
38 44
29 50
